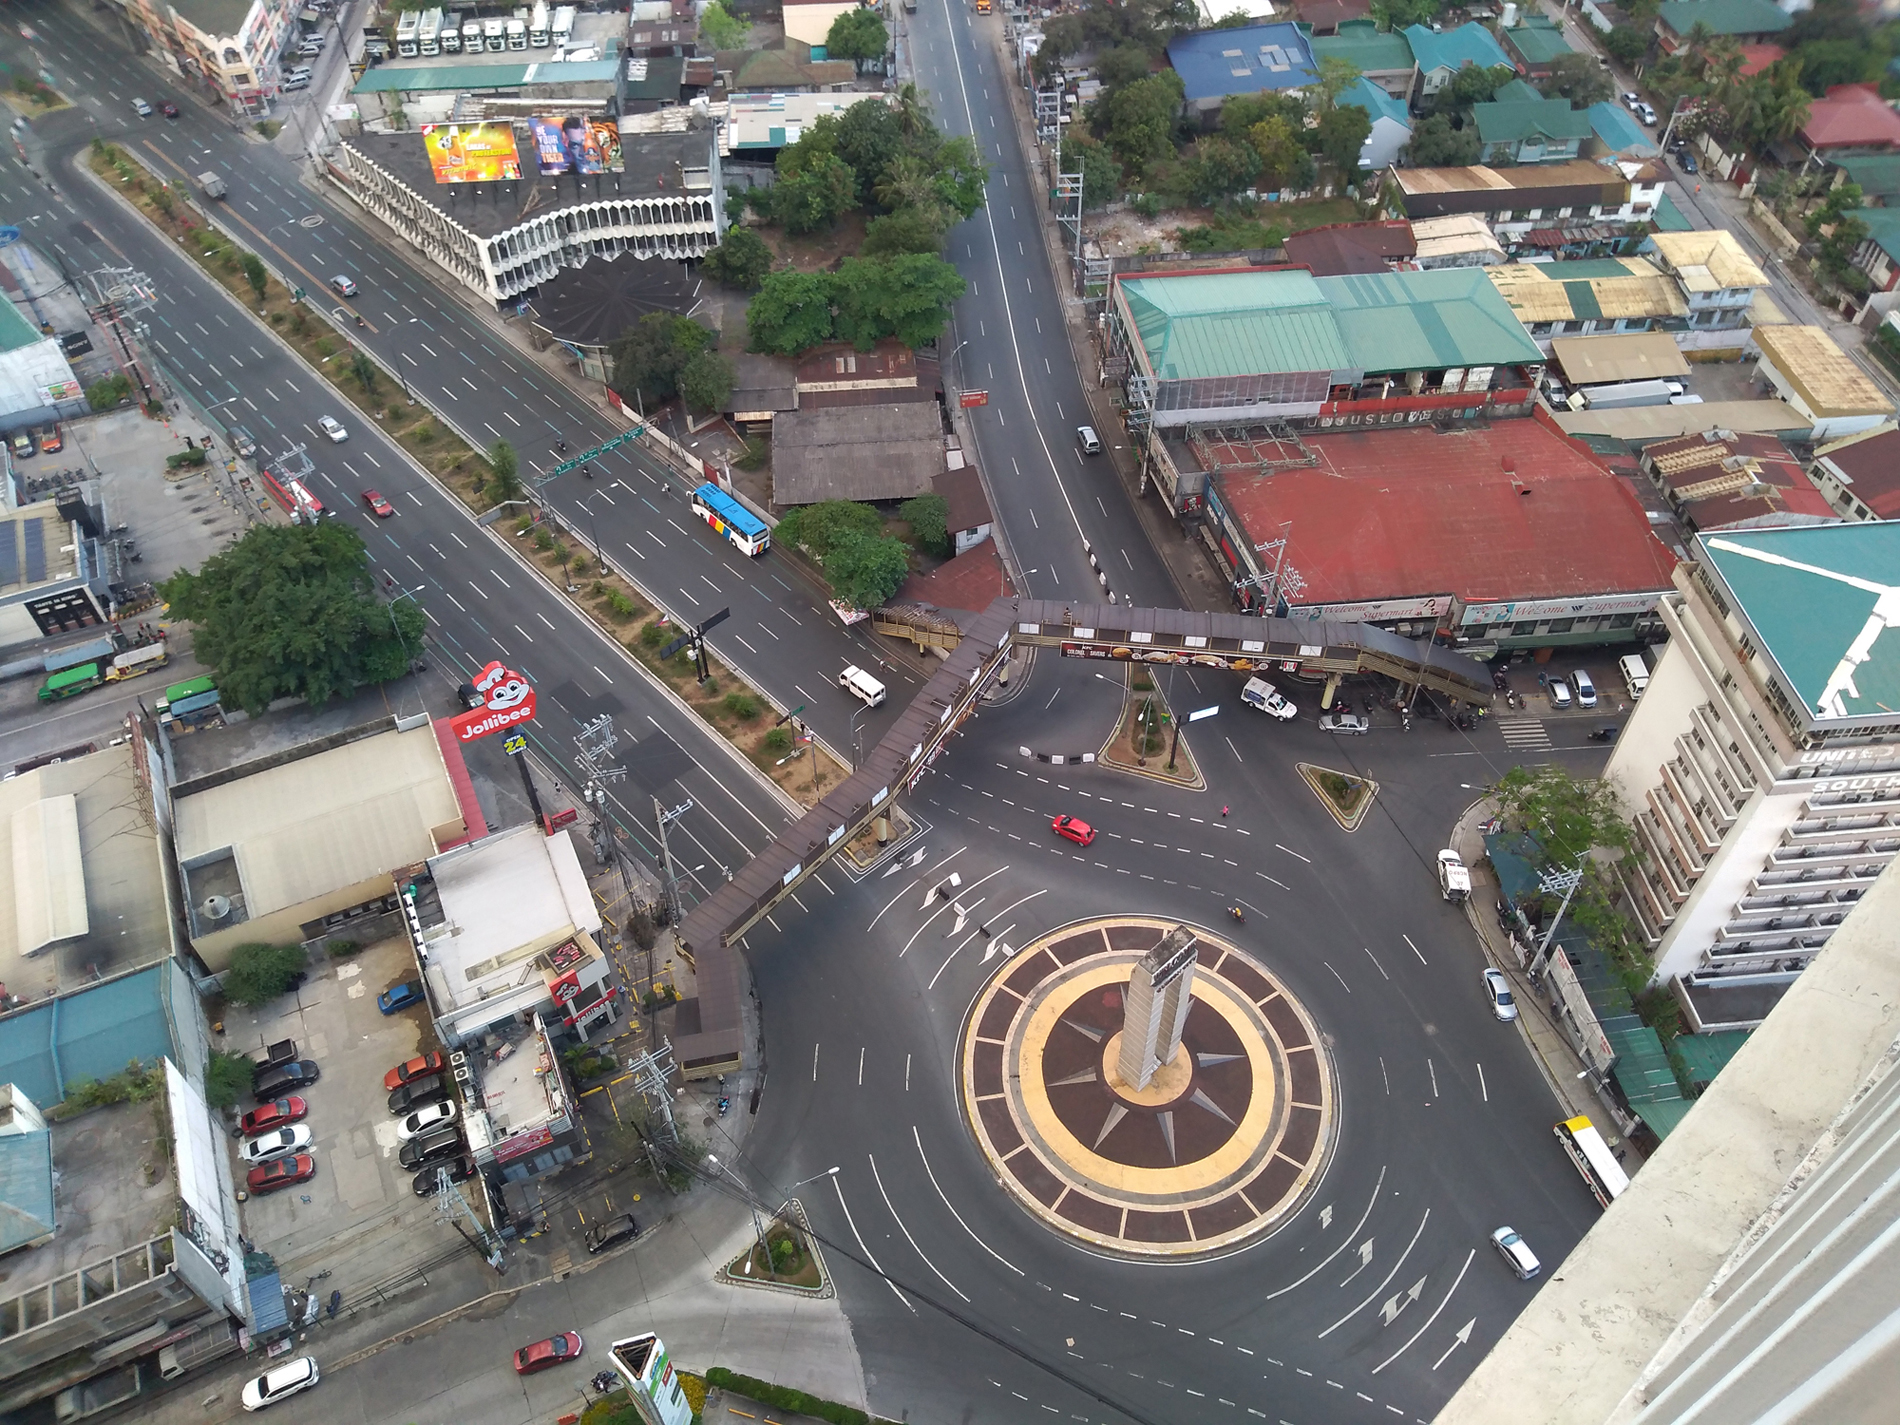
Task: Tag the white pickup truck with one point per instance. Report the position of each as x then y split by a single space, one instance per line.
1261 694
1454 878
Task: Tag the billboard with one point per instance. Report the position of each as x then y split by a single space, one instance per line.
471 153
506 700
576 144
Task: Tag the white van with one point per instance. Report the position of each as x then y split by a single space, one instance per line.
1585 689
861 684
1635 674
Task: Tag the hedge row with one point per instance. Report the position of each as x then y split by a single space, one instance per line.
784 1398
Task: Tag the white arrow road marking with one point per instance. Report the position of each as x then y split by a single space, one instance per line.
1326 1216
1365 1260
1464 1335
1384 1284
1340 1248
1394 1305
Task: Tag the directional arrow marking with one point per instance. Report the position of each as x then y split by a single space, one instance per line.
1397 1304
1365 1260
1326 1216
1464 1335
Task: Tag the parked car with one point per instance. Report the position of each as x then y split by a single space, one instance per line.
22 445
275 1114
275 1144
1686 160
425 1120
416 1068
612 1233
1517 1253
418 1093
378 506
281 1173
1559 692
433 1148
551 1352
282 1052
51 441
401 997
1349 724
273 1083
1584 688
1498 990
1074 829
427 1183
169 110
141 108
333 428
343 287
1630 100
280 1381
1646 114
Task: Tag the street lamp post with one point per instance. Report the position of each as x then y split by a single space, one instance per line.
785 1209
857 748
758 1230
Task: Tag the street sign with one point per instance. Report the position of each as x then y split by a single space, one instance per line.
789 716
973 398
717 618
675 646
1204 712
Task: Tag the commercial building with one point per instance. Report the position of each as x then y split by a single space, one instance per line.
1605 360
1589 296
1638 425
1860 474
810 21
1578 208
289 843
501 230
1725 480
1502 535
1719 280
1236 347
1215 65
888 451
1460 241
1820 381
230 48
1759 768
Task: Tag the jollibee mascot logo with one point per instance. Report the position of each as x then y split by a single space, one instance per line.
507 700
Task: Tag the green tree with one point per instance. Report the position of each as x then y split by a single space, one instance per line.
865 570
1138 120
1285 163
1470 85
706 382
1336 76
1436 143
1342 134
907 297
1839 201
1578 78
1397 14
741 260
1825 63
254 273
817 528
907 230
720 28
504 479
260 973
364 370
651 353
929 519
1626 45
792 312
1219 170
1101 174
290 610
815 196
228 1077
1568 815
960 175
1240 114
857 34
105 395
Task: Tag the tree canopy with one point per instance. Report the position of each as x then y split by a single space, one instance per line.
906 295
1578 78
291 611
741 260
1342 132
720 28
815 528
1138 120
650 355
857 34
1438 143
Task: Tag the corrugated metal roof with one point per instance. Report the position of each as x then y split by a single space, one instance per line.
1636 356
450 78
87 1034
26 1188
1411 321
1825 376
1214 324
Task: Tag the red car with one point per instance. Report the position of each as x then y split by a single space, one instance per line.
378 506
419 1067
170 111
272 1115
551 1352
281 1173
1080 832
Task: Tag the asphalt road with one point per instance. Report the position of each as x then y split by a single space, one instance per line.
481 602
1444 1124
781 633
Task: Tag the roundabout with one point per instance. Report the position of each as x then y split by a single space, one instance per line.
1221 1139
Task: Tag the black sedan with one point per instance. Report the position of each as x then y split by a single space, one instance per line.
461 1169
275 1083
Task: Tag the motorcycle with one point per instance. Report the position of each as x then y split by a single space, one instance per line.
1603 734
724 1105
359 320
1238 914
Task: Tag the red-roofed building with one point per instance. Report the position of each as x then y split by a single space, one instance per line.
971 582
1326 16
1340 249
1852 116
1860 476
1509 535
1729 480
1756 58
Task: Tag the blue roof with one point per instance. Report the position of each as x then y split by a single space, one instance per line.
1454 49
26 1188
88 1034
1364 94
1245 61
1620 132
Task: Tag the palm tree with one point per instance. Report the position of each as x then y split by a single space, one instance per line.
1784 105
913 114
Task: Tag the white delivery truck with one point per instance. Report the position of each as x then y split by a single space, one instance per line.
1261 694
1454 878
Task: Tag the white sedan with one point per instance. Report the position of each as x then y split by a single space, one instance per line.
424 1119
1497 989
284 1380
333 428
275 1144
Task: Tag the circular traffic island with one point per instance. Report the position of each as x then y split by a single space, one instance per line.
1222 1141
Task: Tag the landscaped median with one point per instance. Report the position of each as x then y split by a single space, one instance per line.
725 702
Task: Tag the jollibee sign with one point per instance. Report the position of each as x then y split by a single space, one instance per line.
507 700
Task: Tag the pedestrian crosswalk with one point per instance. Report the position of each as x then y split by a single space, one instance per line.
1524 734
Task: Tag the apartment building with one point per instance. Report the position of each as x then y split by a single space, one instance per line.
1761 767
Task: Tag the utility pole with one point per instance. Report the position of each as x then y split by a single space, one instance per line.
1550 883
662 816
451 1205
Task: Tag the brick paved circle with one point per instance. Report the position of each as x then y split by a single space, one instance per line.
1222 1145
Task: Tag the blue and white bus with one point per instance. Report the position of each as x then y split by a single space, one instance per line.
731 519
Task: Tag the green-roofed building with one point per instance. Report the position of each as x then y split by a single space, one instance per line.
1877 173
1744 20
1384 57
1534 42
1759 769
1279 345
1536 130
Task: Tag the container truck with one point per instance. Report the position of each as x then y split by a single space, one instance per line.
429 34
495 33
451 36
1620 394
538 25
517 34
406 29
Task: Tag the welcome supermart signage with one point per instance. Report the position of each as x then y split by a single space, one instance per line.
506 700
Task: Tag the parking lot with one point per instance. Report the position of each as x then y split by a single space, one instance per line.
359 1217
